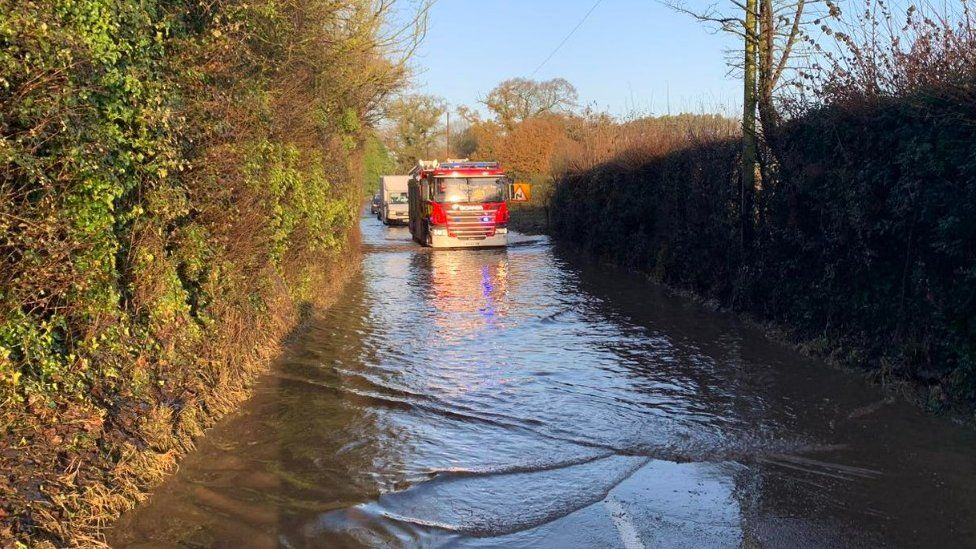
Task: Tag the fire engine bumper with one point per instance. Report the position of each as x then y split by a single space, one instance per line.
445 241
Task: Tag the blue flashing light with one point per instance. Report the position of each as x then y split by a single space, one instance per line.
469 165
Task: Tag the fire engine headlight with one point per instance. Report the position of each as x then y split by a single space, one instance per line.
437 231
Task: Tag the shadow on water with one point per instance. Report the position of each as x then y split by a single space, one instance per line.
826 459
527 397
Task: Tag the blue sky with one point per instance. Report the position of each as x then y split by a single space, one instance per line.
628 55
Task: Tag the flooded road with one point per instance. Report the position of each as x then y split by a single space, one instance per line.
527 398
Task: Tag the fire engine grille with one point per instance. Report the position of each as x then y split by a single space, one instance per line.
471 224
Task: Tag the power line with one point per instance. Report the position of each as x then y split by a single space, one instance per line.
568 36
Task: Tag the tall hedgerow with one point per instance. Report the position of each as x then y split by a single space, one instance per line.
377 161
864 225
177 179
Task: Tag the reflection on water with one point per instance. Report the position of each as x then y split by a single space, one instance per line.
525 397
468 288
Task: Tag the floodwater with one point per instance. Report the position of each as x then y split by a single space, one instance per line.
525 397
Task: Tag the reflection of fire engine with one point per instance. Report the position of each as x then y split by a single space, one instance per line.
469 291
458 204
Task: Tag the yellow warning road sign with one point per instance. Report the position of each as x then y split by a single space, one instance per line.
521 192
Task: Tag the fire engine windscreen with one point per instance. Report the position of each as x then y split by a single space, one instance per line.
470 189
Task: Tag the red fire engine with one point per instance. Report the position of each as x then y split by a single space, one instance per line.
458 204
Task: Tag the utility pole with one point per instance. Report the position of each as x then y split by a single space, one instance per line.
667 92
450 153
749 103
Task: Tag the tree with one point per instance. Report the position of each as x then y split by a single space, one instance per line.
750 151
516 100
479 139
377 161
415 127
774 29
529 149
771 30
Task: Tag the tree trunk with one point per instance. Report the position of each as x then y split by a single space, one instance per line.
767 70
749 102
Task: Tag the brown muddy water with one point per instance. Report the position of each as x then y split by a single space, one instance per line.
528 398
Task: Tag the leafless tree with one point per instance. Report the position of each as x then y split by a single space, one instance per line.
516 100
772 32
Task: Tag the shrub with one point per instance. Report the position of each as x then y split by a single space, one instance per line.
177 179
864 237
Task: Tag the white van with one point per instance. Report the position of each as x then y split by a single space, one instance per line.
394 209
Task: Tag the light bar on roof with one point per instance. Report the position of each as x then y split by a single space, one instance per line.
468 165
